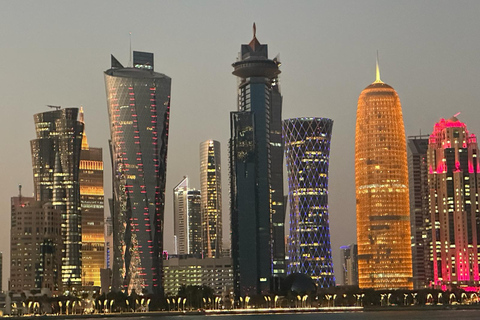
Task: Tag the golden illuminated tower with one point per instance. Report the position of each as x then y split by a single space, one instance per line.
91 199
381 178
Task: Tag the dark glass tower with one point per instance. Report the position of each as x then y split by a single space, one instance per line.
56 160
138 107
257 210
307 150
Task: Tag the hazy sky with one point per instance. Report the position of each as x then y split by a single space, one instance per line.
55 52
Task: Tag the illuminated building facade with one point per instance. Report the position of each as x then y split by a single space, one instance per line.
138 102
56 161
417 147
257 210
381 178
187 219
91 199
307 151
454 180
35 245
350 264
211 188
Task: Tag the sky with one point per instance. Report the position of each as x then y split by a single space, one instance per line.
55 53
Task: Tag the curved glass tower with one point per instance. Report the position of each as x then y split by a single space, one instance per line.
381 178
307 151
138 108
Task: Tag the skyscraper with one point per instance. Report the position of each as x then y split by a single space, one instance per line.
381 179
307 151
420 224
454 183
35 245
139 110
211 190
56 160
350 264
187 219
91 199
257 210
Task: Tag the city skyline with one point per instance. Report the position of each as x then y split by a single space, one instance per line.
431 59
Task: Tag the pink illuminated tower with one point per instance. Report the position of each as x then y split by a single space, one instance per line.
454 179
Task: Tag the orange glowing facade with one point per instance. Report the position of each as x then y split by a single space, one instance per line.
381 177
91 199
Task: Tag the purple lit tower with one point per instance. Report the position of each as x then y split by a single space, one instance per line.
307 150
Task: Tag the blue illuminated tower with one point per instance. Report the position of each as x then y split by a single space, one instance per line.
307 151
139 111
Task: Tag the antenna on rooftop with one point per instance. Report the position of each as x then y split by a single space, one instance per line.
130 62
457 114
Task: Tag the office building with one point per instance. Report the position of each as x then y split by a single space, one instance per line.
257 210
35 245
382 198
91 199
421 228
187 219
56 161
211 205
453 180
307 152
138 100
186 270
350 264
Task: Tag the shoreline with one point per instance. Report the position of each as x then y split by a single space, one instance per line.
252 312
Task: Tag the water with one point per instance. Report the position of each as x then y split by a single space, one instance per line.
367 315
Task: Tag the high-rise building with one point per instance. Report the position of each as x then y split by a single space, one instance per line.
417 147
108 243
454 183
56 161
187 219
381 179
35 245
307 151
257 210
211 188
91 199
350 264
138 102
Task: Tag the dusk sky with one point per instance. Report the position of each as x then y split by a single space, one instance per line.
55 53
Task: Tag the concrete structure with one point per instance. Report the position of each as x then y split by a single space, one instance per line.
454 185
138 102
35 245
307 152
211 190
56 160
216 273
350 264
256 183
382 198
421 227
91 199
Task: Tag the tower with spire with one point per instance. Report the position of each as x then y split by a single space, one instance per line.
91 199
382 195
256 173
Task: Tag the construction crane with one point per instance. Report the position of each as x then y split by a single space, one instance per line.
54 107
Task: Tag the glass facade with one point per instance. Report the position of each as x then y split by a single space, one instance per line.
91 198
453 181
307 151
382 196
138 102
187 219
56 161
420 223
211 187
257 211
